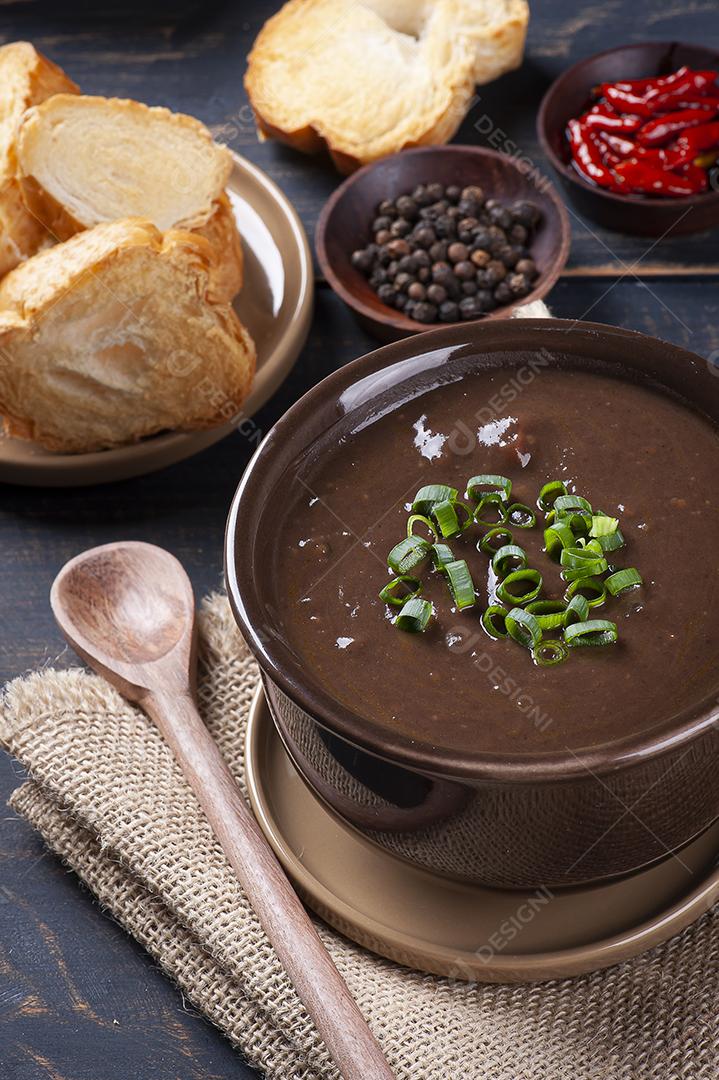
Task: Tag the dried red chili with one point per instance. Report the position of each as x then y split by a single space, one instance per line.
604 118
587 157
664 128
647 179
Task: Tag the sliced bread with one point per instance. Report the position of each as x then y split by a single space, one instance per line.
112 336
228 262
366 78
26 78
87 160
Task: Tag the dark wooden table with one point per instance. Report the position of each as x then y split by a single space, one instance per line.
78 999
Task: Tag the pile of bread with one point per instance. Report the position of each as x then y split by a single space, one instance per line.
119 259
367 78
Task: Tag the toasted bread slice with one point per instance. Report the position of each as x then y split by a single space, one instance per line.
87 160
26 78
366 78
111 336
228 263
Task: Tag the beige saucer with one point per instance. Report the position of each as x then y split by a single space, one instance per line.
276 306
449 928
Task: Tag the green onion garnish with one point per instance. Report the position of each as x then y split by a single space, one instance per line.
602 525
407 554
521 516
594 586
549 653
556 538
414 519
414 616
427 496
445 517
508 558
495 502
489 483
585 559
460 583
577 610
442 554
612 541
591 632
549 493
389 593
569 504
523 628
494 621
550 614
622 580
590 568
494 539
532 581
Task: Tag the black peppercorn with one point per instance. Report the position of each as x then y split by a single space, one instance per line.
425 236
503 293
400 301
464 270
508 255
407 207
438 251
424 274
449 311
473 191
445 227
527 267
469 308
386 293
469 288
400 227
421 258
482 238
480 258
518 284
518 234
424 312
453 193
379 277
403 282
387 209
500 216
457 252
383 237
526 213
421 196
381 223
436 294
362 259
435 191
416 291
397 248
485 300
494 272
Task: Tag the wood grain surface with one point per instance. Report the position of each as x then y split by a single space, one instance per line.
78 999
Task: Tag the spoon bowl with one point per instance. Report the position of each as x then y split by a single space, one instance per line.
124 607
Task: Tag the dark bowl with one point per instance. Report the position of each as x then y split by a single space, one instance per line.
344 224
516 820
568 97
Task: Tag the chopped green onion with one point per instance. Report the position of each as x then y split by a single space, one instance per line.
508 558
533 580
521 516
407 554
412 521
590 545
556 538
549 614
612 541
602 525
445 517
569 504
442 554
494 621
577 610
523 628
622 580
494 539
549 493
549 653
389 593
582 558
428 496
460 583
496 502
591 632
592 585
591 568
414 616
489 483
579 522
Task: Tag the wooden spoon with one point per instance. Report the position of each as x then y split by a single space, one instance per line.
129 611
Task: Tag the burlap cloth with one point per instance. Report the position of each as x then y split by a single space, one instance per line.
108 797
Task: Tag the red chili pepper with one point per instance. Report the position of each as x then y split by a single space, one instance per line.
626 102
640 86
663 128
696 175
649 180
603 118
691 87
623 147
692 141
587 157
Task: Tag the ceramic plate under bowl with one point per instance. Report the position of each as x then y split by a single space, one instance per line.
461 930
276 307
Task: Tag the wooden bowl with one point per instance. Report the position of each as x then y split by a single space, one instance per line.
569 95
344 224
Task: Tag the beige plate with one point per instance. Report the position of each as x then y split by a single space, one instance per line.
276 306
450 928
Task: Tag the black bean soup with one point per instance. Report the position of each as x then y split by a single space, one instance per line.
632 452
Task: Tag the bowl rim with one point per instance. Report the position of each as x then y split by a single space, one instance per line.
687 202
396 320
276 660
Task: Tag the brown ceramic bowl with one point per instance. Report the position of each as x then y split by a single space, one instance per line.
569 95
522 820
344 224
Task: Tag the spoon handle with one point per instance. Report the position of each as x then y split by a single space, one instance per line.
308 964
